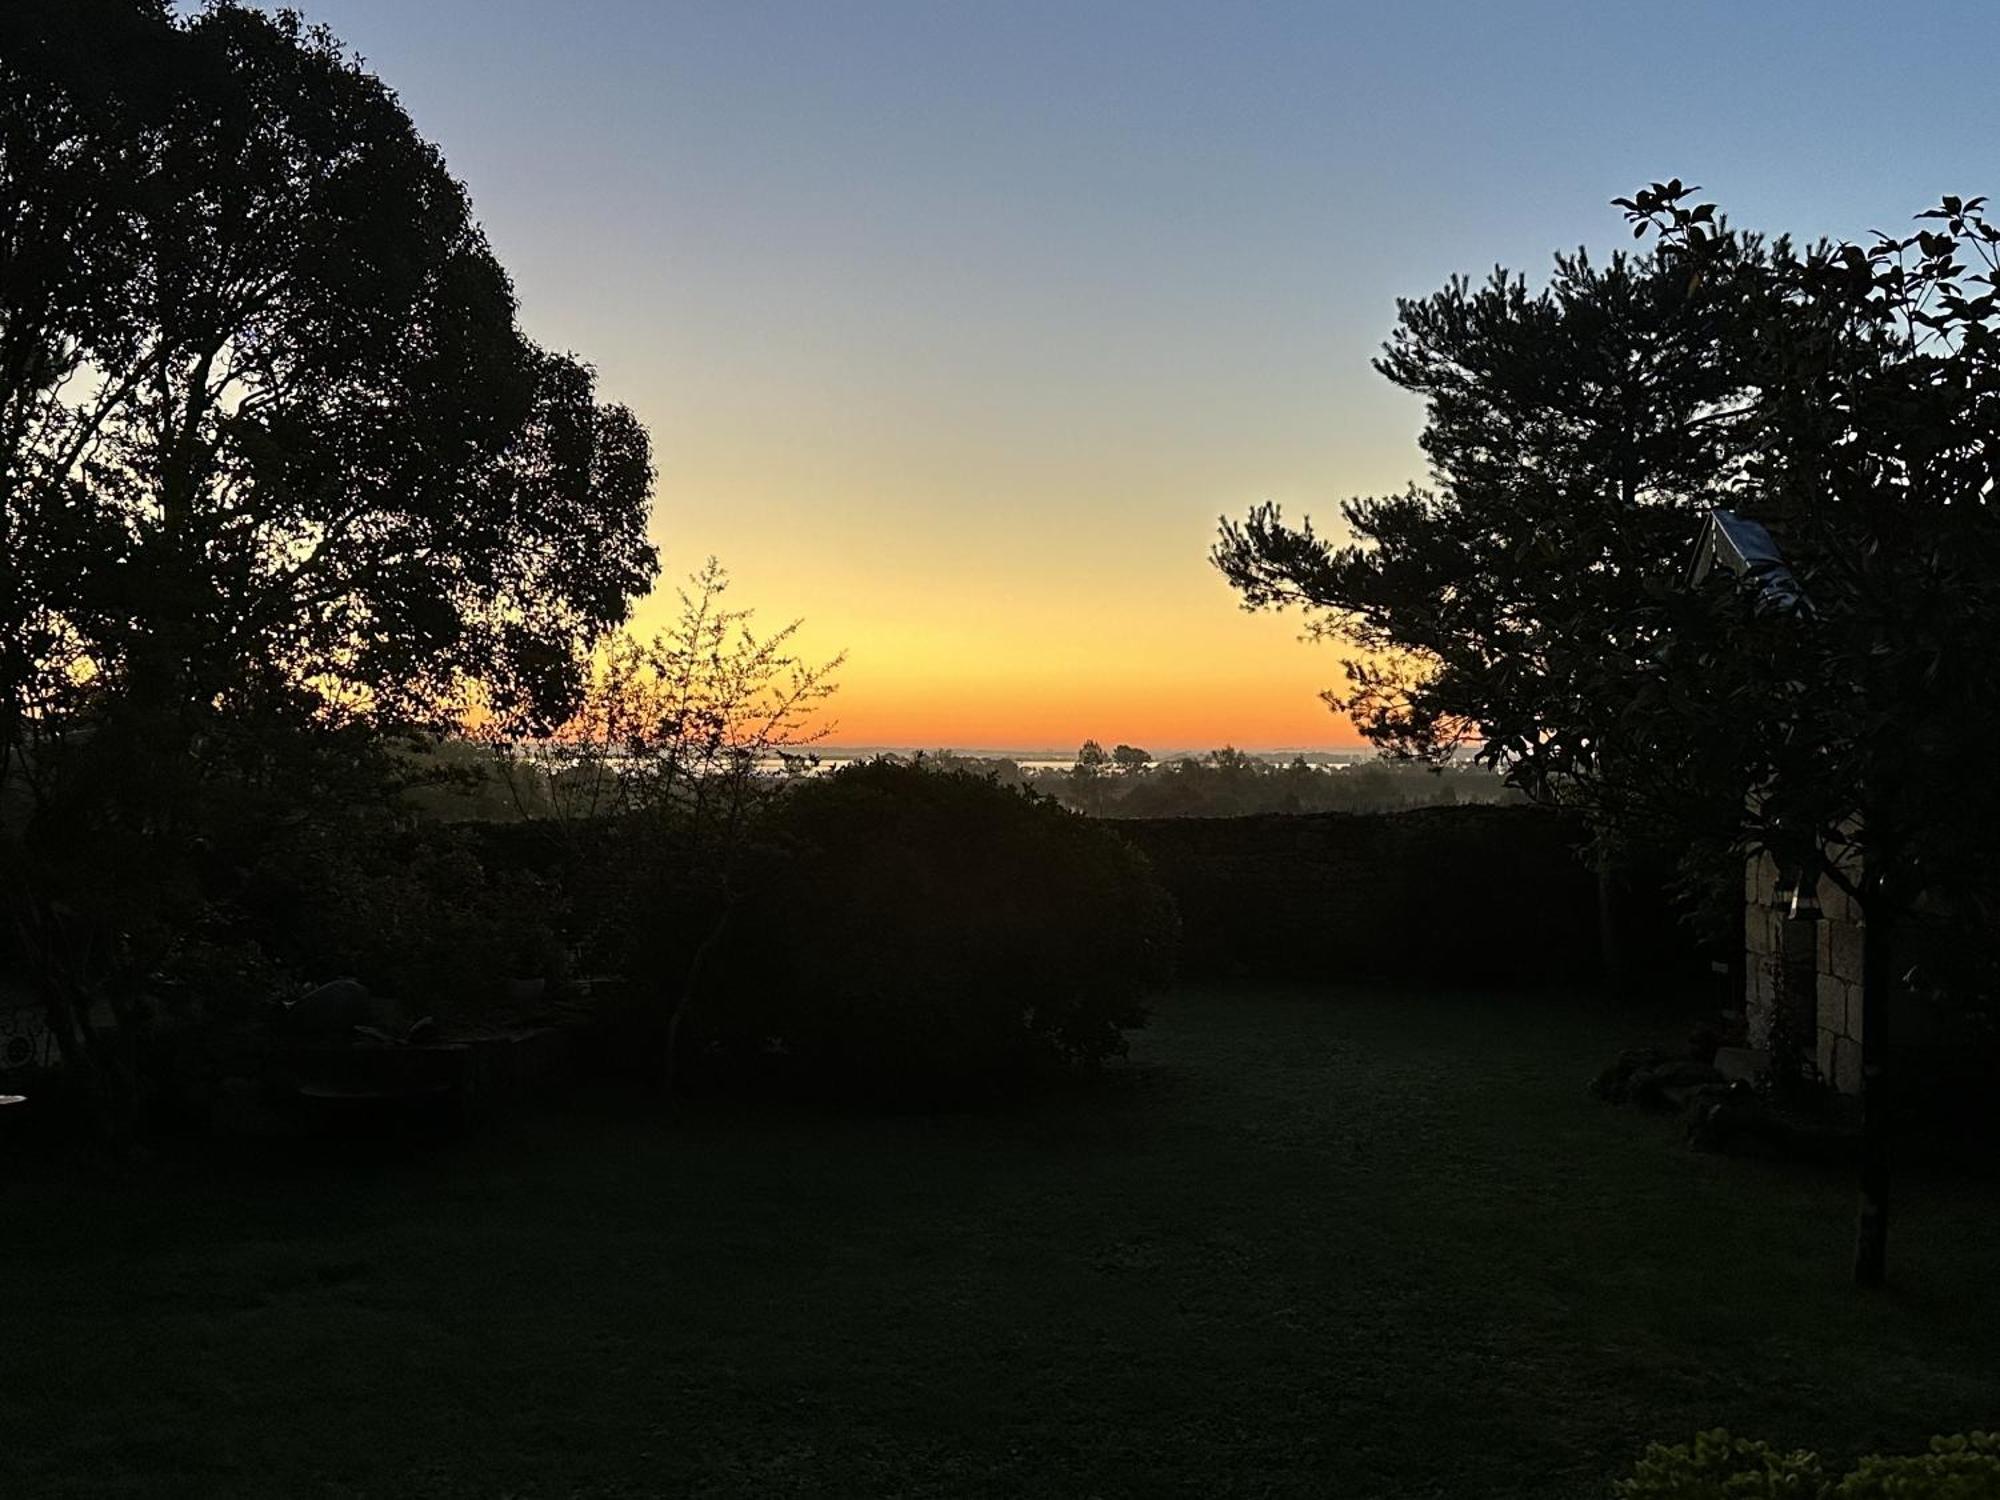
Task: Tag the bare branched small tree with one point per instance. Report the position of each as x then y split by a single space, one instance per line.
680 740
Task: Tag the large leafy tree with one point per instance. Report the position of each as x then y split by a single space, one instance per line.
269 422
1574 435
1535 600
278 468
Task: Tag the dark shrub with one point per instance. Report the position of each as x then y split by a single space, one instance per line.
415 914
1469 894
931 935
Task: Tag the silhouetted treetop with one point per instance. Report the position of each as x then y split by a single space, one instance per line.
269 422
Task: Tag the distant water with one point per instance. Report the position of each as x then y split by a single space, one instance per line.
833 760
827 761
827 764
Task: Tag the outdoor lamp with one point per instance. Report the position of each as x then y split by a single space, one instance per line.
1805 900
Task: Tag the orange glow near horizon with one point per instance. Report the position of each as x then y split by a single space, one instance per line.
975 711
988 702
1256 689
1027 683
1001 645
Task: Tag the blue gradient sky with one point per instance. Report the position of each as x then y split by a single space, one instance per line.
957 325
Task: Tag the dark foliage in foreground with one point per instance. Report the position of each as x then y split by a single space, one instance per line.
420 915
1444 894
933 936
1716 1467
1307 1244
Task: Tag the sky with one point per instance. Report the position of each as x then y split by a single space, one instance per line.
957 326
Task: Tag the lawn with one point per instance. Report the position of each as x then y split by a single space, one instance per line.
1342 1244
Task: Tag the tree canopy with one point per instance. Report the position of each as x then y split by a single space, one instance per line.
1534 599
278 471
268 427
1538 601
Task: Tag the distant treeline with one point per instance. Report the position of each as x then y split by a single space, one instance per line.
472 783
1126 782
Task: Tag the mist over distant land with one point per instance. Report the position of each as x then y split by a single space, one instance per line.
1050 753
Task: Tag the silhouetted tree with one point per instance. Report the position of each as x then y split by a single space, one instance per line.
274 455
1536 603
285 428
1131 759
1574 436
1086 788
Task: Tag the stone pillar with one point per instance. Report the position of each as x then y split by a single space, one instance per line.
1816 966
1761 933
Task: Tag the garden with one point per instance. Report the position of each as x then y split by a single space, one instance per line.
1301 1241
455 1039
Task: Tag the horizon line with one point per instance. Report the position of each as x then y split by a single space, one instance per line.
1051 752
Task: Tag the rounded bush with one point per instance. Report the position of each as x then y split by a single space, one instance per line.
1965 1466
1716 1466
934 935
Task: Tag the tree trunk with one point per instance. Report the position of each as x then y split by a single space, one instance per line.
100 1065
1610 944
685 999
1871 1232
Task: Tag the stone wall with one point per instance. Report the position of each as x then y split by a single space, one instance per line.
1825 987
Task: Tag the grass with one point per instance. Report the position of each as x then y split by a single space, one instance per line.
1331 1244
